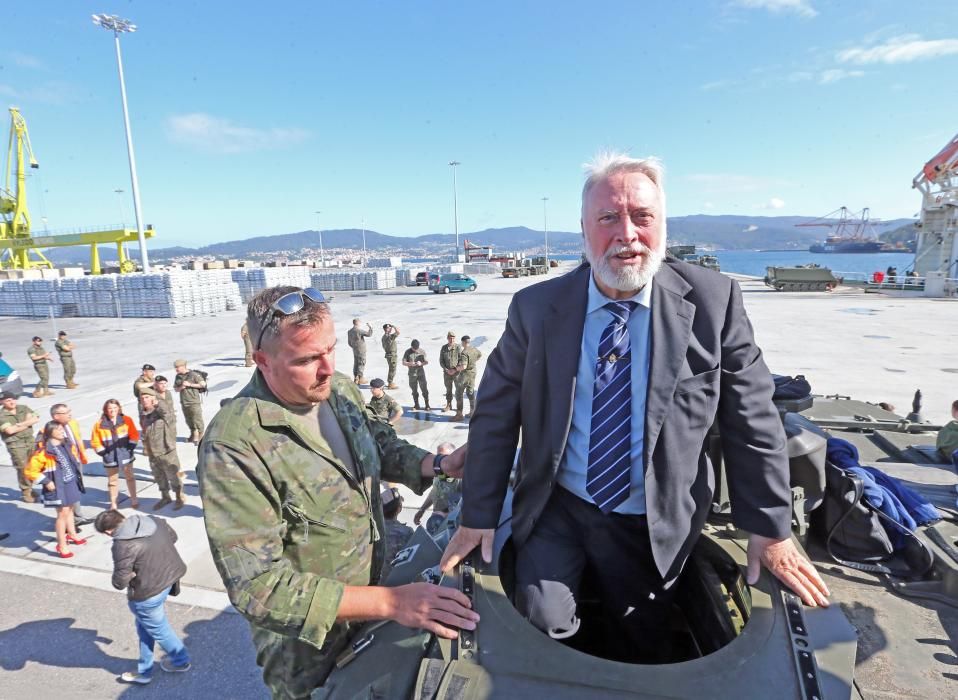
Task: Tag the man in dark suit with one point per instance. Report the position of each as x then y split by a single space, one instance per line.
614 373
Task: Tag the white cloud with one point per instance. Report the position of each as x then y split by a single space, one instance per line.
900 49
775 203
802 8
217 135
833 75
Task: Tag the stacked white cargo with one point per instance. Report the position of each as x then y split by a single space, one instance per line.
13 300
354 280
259 278
41 297
384 262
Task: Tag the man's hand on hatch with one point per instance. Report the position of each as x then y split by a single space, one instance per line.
787 564
464 541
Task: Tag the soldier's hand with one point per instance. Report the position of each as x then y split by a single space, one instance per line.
442 611
464 541
417 518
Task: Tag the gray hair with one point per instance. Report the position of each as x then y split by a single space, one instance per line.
259 311
605 164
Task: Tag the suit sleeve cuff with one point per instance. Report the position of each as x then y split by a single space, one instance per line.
322 612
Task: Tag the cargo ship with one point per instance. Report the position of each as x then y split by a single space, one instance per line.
851 233
837 244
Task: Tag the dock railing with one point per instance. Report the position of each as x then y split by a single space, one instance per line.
893 282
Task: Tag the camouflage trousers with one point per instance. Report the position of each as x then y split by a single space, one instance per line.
391 361
69 369
417 382
193 413
292 669
466 384
43 372
359 364
166 472
20 456
450 382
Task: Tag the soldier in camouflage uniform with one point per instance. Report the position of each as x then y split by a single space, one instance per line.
16 423
390 333
40 358
290 473
466 379
415 359
65 349
159 442
382 405
397 534
190 385
356 339
248 343
164 396
449 362
145 381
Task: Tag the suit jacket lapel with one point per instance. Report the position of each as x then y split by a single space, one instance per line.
671 329
563 326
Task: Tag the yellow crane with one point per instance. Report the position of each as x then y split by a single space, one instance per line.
19 249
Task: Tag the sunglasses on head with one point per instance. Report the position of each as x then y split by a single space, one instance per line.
286 305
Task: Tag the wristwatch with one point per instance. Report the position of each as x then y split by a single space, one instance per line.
437 465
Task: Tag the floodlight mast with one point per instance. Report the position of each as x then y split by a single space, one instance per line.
119 26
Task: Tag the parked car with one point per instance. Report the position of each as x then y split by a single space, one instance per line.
9 378
452 282
422 279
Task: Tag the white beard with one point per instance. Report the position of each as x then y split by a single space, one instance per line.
627 279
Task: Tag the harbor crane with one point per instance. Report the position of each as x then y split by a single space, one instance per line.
19 248
937 181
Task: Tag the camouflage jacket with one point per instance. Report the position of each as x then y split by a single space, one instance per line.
383 407
468 359
449 356
158 436
389 344
289 524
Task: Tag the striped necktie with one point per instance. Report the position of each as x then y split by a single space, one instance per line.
608 476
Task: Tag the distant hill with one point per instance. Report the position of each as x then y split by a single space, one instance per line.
724 232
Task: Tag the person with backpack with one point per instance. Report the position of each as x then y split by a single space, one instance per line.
147 565
190 384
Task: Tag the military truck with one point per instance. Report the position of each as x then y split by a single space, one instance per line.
801 278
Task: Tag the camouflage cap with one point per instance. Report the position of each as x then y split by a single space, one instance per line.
377 383
179 363
451 334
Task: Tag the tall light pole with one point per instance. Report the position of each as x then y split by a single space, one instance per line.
363 224
545 228
322 252
119 26
455 204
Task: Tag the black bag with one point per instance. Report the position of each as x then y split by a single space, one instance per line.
796 387
205 379
852 530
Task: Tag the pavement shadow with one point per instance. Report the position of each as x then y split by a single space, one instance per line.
210 643
74 647
28 526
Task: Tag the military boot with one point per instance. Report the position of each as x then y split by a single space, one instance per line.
164 501
428 408
37 393
180 502
360 379
28 496
48 393
448 406
415 404
72 385
458 415
392 386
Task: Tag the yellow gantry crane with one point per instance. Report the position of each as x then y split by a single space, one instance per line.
19 249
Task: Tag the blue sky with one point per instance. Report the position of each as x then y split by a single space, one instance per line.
248 117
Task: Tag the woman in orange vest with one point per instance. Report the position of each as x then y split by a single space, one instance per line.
114 439
61 483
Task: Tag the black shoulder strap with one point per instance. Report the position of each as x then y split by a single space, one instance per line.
876 568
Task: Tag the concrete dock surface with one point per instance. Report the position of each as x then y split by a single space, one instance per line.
869 346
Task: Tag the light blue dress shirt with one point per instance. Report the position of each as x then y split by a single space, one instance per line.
575 459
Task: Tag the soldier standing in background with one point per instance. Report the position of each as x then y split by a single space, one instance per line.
449 362
16 423
190 385
65 348
415 360
466 379
159 443
390 333
144 381
397 534
40 364
165 398
244 334
356 339
381 404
